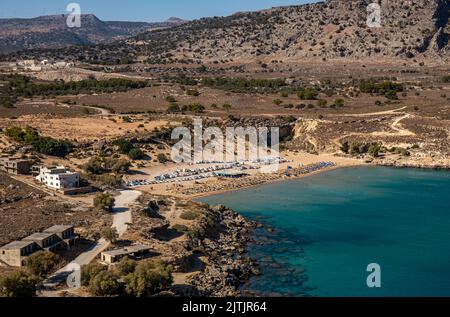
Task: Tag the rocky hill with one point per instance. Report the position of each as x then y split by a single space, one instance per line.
326 30
52 31
331 29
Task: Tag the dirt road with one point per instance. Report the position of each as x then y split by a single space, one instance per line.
121 219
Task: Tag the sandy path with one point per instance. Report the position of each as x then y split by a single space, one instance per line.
121 219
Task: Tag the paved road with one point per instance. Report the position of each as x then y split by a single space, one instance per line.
121 219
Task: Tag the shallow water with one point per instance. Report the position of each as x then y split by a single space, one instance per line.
330 227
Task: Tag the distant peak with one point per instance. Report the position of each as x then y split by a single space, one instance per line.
176 20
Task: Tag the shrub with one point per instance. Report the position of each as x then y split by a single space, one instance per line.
277 102
136 154
162 158
18 284
173 108
43 145
126 266
105 283
121 166
189 215
226 107
88 272
171 99
345 148
193 92
322 103
110 234
196 108
339 103
42 263
110 180
104 202
180 228
148 279
308 94
124 146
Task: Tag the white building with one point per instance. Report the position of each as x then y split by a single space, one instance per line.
58 177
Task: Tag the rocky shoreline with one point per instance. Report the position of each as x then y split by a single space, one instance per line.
418 166
224 243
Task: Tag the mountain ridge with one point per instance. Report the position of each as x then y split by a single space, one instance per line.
323 30
51 31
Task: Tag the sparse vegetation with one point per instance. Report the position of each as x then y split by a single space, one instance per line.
43 145
104 202
42 263
18 284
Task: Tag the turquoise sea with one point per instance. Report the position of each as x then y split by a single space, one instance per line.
329 227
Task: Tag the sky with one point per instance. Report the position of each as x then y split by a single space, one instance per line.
139 10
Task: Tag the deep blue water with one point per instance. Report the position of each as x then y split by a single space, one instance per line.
330 226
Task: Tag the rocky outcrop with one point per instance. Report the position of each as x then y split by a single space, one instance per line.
224 240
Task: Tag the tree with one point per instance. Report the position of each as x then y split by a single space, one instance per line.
95 166
162 158
110 234
173 108
105 283
345 148
104 202
124 146
121 166
227 107
126 266
277 102
18 284
88 272
42 263
148 279
322 103
171 99
110 180
339 103
196 108
136 154
374 149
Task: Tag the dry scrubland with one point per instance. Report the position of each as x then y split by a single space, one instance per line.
340 91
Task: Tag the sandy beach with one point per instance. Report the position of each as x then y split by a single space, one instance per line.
215 185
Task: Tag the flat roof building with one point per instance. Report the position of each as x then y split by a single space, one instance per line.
15 253
52 239
58 177
15 166
133 252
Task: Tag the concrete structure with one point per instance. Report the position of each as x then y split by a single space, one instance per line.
58 177
134 252
45 241
65 233
52 239
15 166
15 253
